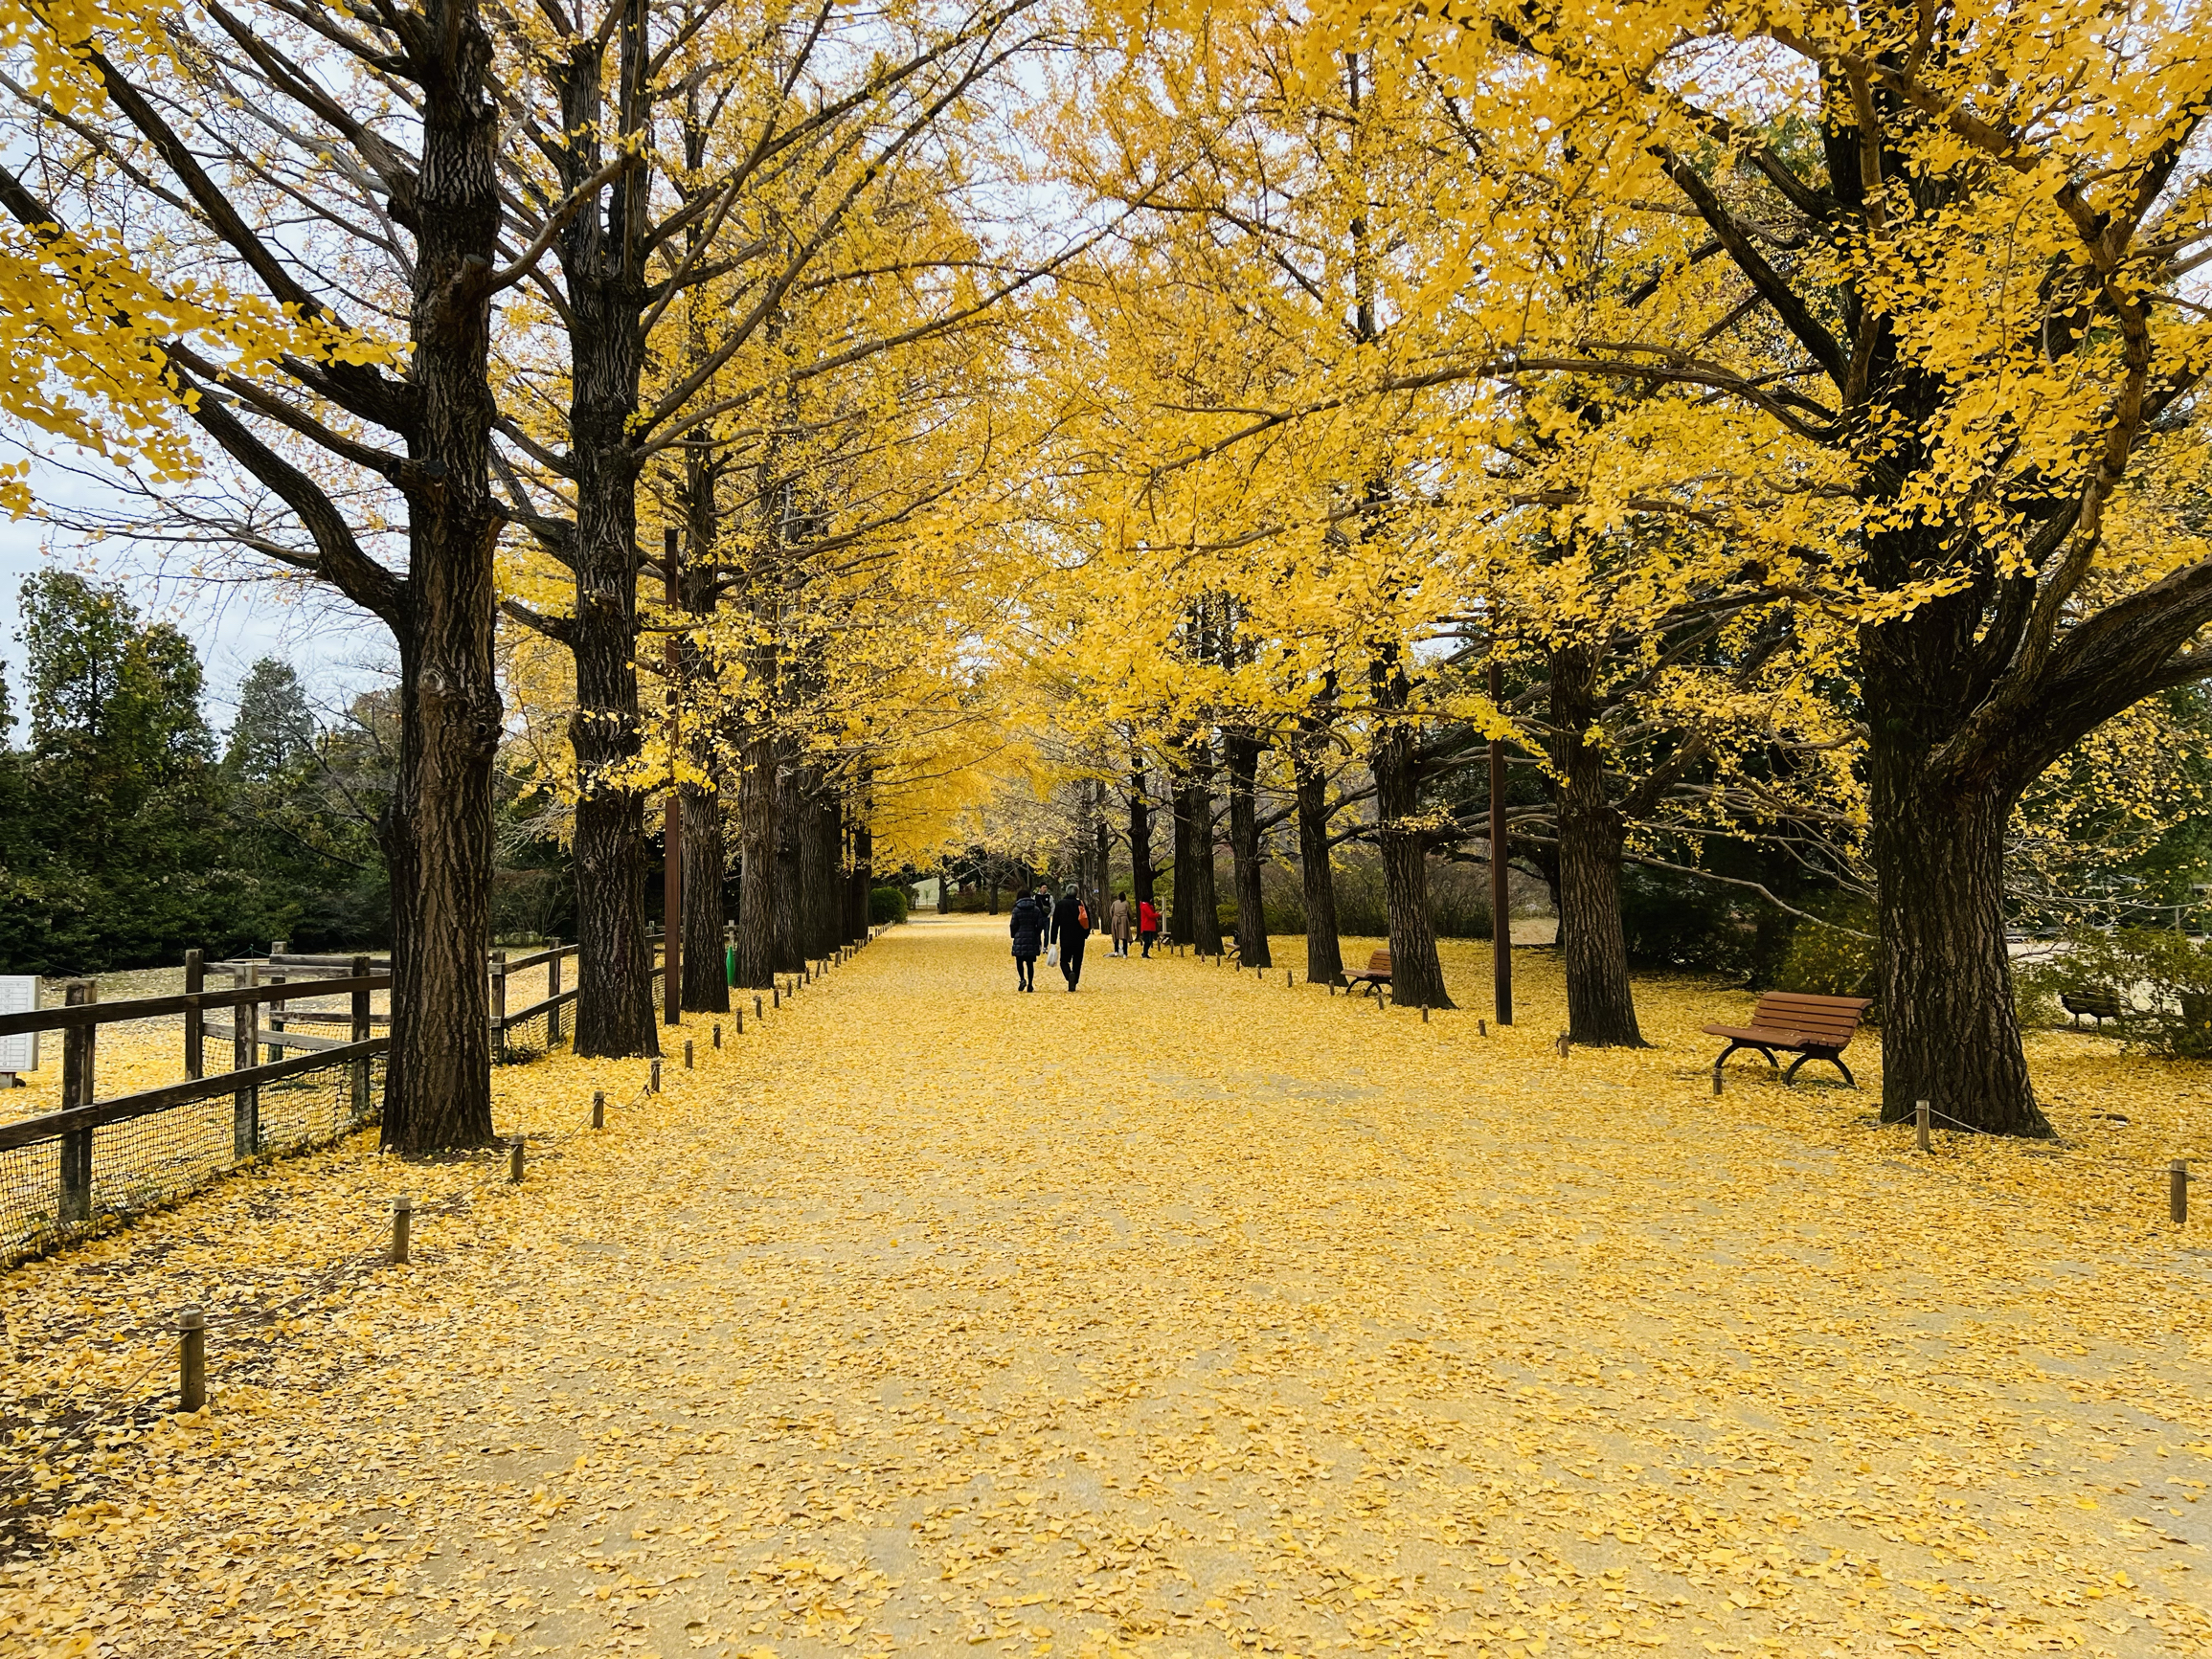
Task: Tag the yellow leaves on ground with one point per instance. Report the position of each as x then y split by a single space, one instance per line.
1186 1314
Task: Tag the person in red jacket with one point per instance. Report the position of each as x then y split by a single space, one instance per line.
1147 924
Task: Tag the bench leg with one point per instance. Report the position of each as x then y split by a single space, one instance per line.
1722 1058
1834 1060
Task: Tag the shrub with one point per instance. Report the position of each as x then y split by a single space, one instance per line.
1833 952
1676 921
886 905
2162 981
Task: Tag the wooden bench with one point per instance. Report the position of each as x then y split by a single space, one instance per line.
1809 1026
2100 1002
1375 977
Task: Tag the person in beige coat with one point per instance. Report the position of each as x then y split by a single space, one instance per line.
1120 924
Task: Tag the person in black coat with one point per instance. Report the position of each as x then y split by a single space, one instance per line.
1071 927
1031 921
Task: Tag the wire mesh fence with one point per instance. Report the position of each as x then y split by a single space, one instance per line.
144 1161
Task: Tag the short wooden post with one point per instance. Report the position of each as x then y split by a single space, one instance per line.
1717 1080
1424 1013
776 992
599 1109
192 1361
686 1054
245 1047
402 1224
80 1048
756 1009
1482 1027
717 1034
360 1034
654 1086
499 1008
514 1162
552 991
195 1063
741 1019
1920 1123
2177 1189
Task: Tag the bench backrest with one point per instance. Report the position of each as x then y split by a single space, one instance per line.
1379 963
1826 1021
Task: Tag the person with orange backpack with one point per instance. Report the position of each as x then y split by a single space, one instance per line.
1071 927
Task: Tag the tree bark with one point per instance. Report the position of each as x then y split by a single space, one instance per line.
1203 902
1316 880
437 831
760 829
1393 756
1243 754
792 827
1601 1001
863 876
1182 801
1139 837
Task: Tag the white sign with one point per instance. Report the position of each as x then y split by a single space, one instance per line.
19 995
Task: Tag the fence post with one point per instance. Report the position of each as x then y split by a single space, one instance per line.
2177 1189
245 1049
499 1008
195 1064
80 1044
552 989
277 948
360 1035
1920 1123
192 1361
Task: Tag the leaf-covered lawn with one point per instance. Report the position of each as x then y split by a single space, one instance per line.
1186 1314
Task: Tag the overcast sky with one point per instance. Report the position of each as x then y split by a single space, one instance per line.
336 649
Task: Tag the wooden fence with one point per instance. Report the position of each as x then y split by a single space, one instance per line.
63 1172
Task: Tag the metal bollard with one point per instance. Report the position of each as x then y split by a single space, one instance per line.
403 1225
1920 1122
192 1361
686 1054
653 1084
599 1109
717 1034
2177 1189
514 1163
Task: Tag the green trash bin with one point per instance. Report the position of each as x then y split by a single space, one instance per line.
729 964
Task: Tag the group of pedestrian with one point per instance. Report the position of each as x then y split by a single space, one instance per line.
1039 927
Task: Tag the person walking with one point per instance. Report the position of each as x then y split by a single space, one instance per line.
1117 922
1147 925
1032 920
1071 927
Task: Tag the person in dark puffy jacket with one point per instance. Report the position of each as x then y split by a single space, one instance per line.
1032 920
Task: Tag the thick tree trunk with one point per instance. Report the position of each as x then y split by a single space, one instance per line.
706 975
1139 837
863 876
791 825
1393 756
437 830
1950 1029
1316 880
1244 853
759 828
1179 801
1205 901
1600 1001
1103 835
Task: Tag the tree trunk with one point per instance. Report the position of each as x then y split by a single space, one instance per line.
1205 902
706 977
437 830
1316 880
1103 835
1393 756
1600 1001
1244 853
791 836
706 856
759 828
1181 804
1950 1029
1139 837
863 876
